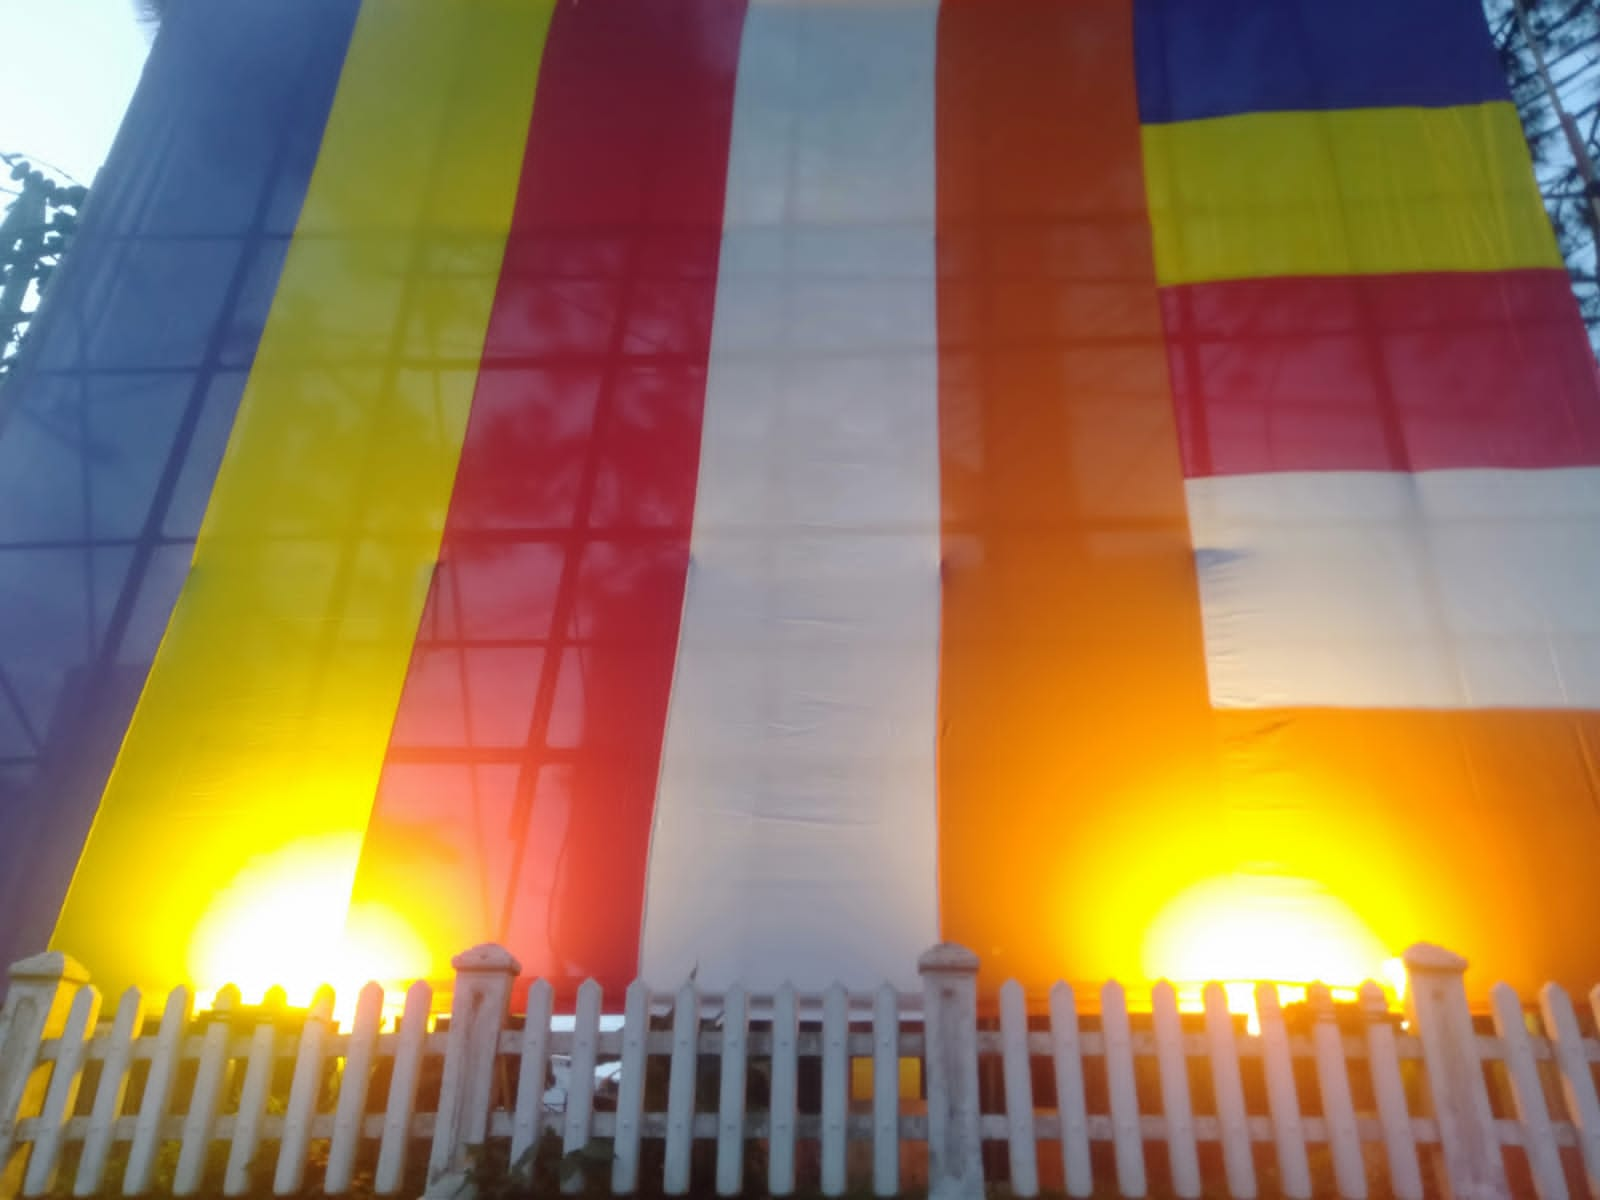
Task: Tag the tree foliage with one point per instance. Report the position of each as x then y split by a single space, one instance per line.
36 231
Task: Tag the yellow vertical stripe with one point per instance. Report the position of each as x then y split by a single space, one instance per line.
1362 191
227 838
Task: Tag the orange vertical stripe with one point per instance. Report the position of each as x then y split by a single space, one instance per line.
1073 709
1097 817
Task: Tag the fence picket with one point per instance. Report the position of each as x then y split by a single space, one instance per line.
580 1082
785 1091
72 1048
1227 1089
731 1096
528 1119
354 1080
630 1092
680 1091
396 1143
1183 1157
886 1092
137 1176
480 999
1333 1083
109 1093
1288 1132
835 1087
1126 1135
304 1088
1388 1090
209 1080
1577 1083
253 1098
1594 1011
1071 1109
1527 1092
1469 1156
1017 1066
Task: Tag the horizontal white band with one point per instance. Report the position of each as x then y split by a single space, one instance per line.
1443 589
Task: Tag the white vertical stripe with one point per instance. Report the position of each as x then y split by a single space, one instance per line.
795 823
1365 589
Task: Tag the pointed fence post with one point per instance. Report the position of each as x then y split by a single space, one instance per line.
36 1006
1469 1159
478 1008
950 1027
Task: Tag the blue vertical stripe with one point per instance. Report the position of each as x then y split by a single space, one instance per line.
112 429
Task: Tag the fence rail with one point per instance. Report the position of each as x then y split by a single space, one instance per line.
785 1092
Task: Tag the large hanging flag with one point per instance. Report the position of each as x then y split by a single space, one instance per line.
759 488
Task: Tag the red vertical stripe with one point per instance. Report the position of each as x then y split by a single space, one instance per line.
517 797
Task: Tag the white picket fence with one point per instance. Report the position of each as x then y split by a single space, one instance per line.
1321 1098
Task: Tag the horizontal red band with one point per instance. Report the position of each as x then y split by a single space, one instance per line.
1383 373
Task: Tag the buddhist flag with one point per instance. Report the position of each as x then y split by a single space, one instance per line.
758 488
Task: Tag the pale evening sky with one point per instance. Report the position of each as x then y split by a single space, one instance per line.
67 69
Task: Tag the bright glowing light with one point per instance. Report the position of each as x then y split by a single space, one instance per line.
281 923
1392 975
1239 929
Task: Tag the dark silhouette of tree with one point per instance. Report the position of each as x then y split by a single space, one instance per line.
36 230
1567 36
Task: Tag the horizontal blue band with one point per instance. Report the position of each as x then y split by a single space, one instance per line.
1212 58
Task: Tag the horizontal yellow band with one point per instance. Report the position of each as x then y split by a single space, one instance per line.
1359 191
